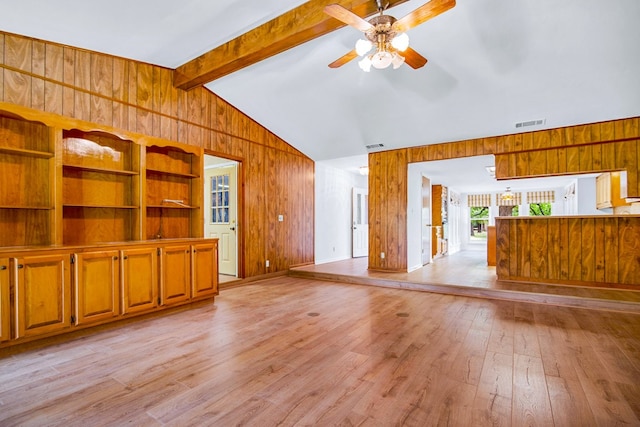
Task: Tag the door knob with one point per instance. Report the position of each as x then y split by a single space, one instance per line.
232 228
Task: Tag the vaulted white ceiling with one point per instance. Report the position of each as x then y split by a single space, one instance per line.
492 63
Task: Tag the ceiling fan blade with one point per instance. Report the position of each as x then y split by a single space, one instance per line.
422 14
344 59
346 16
413 58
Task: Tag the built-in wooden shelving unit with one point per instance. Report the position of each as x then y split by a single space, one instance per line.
27 200
90 223
173 195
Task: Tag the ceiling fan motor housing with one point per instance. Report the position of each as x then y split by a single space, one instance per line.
381 30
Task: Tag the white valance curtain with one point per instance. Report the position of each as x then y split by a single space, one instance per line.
541 196
509 199
478 200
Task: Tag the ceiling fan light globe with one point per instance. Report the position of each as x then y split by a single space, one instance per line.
400 42
381 60
363 47
397 61
365 64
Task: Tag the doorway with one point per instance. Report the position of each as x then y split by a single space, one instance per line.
360 222
426 220
221 211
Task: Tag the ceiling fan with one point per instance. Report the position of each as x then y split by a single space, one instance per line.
386 34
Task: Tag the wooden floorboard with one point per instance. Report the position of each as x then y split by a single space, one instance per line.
293 351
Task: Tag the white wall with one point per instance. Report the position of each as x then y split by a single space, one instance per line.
333 189
586 197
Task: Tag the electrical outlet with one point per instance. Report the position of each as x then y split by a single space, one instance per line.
267 263
280 218
382 255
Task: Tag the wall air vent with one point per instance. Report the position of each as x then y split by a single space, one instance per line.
374 146
531 123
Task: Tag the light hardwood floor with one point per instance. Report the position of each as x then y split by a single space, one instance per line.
292 351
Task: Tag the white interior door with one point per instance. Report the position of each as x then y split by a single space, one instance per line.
426 220
220 216
360 224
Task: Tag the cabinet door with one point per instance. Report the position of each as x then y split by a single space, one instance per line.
175 273
42 294
603 191
139 279
5 328
97 286
204 264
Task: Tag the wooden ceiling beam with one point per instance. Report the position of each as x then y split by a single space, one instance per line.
302 24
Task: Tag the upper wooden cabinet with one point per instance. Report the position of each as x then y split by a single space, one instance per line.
27 180
100 188
173 193
72 183
611 190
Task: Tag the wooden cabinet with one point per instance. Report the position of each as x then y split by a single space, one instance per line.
42 294
139 279
27 172
173 193
5 320
204 264
175 270
71 183
100 188
97 286
126 208
611 190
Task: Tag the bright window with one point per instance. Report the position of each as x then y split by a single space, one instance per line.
540 209
479 221
220 199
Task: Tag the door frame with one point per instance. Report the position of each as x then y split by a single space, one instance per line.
241 220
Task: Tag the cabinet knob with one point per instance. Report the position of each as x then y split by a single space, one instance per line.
3 267
115 258
20 266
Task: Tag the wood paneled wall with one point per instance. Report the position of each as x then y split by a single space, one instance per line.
596 147
388 210
598 250
605 146
138 97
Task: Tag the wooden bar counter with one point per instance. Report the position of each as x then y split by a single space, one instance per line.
599 250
